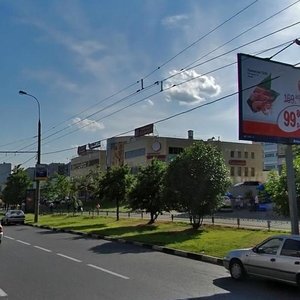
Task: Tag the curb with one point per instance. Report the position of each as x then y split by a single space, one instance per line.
176 252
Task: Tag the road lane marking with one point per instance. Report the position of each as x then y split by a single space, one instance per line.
22 242
107 271
69 257
41 248
8 237
2 293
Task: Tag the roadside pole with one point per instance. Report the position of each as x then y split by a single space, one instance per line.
292 190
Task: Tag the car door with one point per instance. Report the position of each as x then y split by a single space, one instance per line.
288 261
261 260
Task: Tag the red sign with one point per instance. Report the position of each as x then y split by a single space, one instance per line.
237 162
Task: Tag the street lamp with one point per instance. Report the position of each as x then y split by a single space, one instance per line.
37 198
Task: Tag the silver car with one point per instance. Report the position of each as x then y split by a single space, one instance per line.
13 216
1 233
276 258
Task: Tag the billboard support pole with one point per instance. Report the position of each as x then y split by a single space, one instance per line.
292 190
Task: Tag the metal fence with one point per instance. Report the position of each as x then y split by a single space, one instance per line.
235 222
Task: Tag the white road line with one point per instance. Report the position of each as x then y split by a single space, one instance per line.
41 248
8 237
107 271
69 257
2 293
22 242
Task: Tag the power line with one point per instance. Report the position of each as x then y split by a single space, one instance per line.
189 110
201 38
234 49
242 33
198 65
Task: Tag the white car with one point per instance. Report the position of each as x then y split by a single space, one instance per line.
276 258
13 216
1 233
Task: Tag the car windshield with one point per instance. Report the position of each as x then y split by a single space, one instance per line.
17 212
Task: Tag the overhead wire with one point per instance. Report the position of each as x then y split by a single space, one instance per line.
234 49
165 63
201 38
176 74
242 33
191 109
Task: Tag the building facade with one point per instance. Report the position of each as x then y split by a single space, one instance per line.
274 156
244 161
5 171
90 160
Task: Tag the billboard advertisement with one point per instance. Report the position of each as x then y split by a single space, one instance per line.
269 100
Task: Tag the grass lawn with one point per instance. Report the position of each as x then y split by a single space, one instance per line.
209 240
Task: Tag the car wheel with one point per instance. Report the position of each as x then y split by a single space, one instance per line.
236 269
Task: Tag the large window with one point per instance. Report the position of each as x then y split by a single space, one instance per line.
231 153
252 172
175 150
232 171
246 172
252 155
239 154
246 154
135 153
239 171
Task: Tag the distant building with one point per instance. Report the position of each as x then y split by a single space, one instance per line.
274 156
5 171
86 162
53 168
59 168
244 161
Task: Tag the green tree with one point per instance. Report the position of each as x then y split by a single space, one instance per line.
276 187
115 185
196 180
147 191
17 184
57 187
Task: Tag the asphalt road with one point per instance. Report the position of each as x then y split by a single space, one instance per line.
37 264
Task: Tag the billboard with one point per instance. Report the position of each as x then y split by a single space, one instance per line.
269 100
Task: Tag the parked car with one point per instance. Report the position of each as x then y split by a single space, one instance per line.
13 216
1 233
276 258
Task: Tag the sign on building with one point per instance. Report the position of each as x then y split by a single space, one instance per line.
81 150
143 130
269 100
94 145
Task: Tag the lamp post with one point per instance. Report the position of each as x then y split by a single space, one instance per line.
37 198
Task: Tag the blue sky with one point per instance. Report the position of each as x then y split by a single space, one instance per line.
84 61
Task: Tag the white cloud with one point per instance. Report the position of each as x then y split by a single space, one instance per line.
174 21
195 89
88 125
